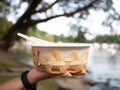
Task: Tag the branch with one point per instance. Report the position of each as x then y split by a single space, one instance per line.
33 22
81 9
30 10
44 9
33 5
65 14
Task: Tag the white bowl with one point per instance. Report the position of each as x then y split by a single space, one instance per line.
59 58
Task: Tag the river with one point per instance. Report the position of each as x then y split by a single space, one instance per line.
105 68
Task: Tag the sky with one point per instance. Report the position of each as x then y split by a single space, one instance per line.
56 26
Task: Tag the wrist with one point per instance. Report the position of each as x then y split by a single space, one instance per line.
34 75
26 83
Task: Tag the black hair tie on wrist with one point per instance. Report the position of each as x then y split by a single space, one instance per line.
26 83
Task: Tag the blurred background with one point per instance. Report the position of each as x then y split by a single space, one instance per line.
76 21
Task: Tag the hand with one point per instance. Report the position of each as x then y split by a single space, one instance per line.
34 75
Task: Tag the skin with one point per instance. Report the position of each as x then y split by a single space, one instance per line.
34 76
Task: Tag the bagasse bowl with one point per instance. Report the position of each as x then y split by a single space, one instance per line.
60 58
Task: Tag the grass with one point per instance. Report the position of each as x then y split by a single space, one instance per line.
6 65
48 84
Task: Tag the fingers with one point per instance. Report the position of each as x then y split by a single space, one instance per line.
83 72
87 70
68 74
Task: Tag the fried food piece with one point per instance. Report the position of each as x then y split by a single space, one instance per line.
85 54
57 55
74 55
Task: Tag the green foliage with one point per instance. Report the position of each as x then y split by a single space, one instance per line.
32 32
40 34
80 37
46 36
62 38
5 65
70 39
4 25
107 39
54 38
50 83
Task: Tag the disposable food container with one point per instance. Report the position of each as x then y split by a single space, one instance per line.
60 58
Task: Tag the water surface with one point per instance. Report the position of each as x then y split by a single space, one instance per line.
105 68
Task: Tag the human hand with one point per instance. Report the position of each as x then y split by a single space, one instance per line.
34 75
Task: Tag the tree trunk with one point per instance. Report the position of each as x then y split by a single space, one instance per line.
11 36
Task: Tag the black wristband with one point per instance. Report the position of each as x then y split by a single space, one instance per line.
26 83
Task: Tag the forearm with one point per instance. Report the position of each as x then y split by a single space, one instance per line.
33 77
14 84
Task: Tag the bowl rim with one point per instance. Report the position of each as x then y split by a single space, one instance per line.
64 45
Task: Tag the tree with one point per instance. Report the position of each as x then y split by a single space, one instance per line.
38 8
4 25
80 37
107 39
